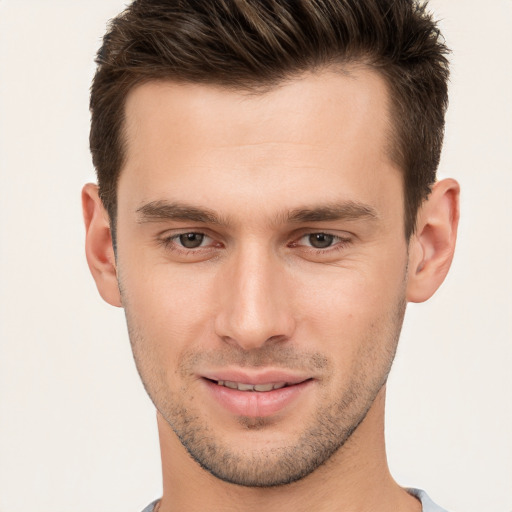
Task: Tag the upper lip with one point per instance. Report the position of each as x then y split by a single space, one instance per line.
256 377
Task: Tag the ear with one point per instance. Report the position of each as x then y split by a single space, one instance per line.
431 247
98 245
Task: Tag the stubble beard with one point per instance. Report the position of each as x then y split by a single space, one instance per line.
330 426
272 467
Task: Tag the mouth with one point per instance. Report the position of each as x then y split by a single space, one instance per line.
241 386
258 396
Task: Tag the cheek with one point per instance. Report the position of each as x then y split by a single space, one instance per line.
168 315
349 294
346 308
171 306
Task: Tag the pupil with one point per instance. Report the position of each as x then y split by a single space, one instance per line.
191 240
321 240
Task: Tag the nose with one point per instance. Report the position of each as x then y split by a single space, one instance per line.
254 309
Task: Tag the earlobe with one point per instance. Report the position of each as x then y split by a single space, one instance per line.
98 245
432 246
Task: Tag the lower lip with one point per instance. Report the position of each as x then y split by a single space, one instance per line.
256 403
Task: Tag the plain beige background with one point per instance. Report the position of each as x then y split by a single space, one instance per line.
77 432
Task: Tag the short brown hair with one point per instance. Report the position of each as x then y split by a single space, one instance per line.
250 44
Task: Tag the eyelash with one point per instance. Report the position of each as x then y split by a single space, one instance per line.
171 243
338 243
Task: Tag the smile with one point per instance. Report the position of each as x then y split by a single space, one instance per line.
251 387
267 396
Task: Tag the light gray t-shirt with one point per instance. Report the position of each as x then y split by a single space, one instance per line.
427 504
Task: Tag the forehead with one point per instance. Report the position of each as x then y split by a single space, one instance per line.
290 111
322 136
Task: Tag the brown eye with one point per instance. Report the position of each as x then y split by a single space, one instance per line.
191 240
320 240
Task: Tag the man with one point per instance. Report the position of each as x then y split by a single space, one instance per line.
267 205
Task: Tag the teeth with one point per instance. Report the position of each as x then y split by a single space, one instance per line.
251 387
263 387
245 387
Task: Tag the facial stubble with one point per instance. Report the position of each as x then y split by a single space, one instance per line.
328 428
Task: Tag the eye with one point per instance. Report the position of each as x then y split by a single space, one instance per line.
189 246
320 240
190 240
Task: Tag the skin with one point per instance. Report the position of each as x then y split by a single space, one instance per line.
244 172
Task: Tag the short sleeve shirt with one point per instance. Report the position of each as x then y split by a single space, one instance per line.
427 504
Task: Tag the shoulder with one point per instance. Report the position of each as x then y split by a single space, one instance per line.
427 504
151 506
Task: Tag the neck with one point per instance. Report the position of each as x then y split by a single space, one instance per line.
355 478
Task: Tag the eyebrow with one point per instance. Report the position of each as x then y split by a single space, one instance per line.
163 210
157 211
349 210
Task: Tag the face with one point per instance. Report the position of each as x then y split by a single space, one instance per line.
262 265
